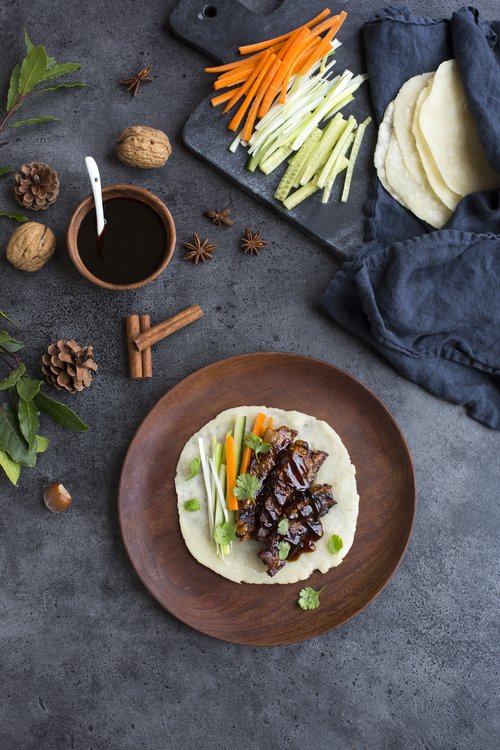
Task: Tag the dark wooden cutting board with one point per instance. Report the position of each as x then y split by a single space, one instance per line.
216 30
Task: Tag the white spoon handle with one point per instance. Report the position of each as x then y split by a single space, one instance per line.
95 179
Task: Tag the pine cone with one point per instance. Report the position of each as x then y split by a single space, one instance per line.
69 366
36 186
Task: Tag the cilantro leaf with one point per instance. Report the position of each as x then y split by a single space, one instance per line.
192 505
309 598
283 550
283 526
256 444
194 467
225 533
335 544
247 487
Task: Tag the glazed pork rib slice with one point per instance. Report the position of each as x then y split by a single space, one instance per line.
248 511
294 473
304 527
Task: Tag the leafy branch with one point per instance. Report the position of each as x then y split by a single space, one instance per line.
20 442
37 67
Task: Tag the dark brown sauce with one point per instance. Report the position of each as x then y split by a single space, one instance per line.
131 247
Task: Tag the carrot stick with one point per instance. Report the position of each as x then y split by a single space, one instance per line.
229 66
294 50
237 77
246 454
270 425
271 61
306 53
248 83
221 98
232 502
247 49
252 115
332 23
320 51
273 88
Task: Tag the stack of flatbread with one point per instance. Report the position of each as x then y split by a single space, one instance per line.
428 154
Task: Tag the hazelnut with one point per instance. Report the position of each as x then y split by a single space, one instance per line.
57 498
143 147
31 246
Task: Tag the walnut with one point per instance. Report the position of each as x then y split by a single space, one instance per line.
142 146
31 246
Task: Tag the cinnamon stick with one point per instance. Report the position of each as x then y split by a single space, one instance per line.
147 358
169 326
133 329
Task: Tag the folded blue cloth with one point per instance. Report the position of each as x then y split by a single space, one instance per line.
428 300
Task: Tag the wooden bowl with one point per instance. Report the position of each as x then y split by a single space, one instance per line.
108 193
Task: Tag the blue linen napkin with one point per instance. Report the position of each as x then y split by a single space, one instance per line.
428 300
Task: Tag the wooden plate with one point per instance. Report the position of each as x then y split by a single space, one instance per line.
262 614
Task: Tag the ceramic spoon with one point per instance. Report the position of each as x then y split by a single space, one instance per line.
95 179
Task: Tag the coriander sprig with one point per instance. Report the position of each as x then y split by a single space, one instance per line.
36 67
256 443
309 598
247 487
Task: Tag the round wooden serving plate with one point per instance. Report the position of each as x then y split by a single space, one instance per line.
266 614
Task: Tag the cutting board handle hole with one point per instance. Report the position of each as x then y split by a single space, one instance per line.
209 11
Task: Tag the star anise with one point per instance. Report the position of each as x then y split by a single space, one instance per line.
252 242
219 216
199 249
134 82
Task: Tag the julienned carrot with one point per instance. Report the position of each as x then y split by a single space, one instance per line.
252 115
235 122
306 53
232 502
270 424
229 66
323 48
248 48
258 429
221 98
283 73
247 86
238 76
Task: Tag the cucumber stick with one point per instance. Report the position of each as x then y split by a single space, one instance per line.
338 150
341 164
240 424
352 159
293 170
280 155
225 548
329 138
300 195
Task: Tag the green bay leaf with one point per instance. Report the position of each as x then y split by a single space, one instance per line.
29 421
68 85
42 443
60 413
12 378
11 438
29 44
11 468
9 343
27 388
33 69
13 89
21 218
5 170
59 70
29 121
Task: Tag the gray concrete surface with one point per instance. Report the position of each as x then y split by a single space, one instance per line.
87 659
